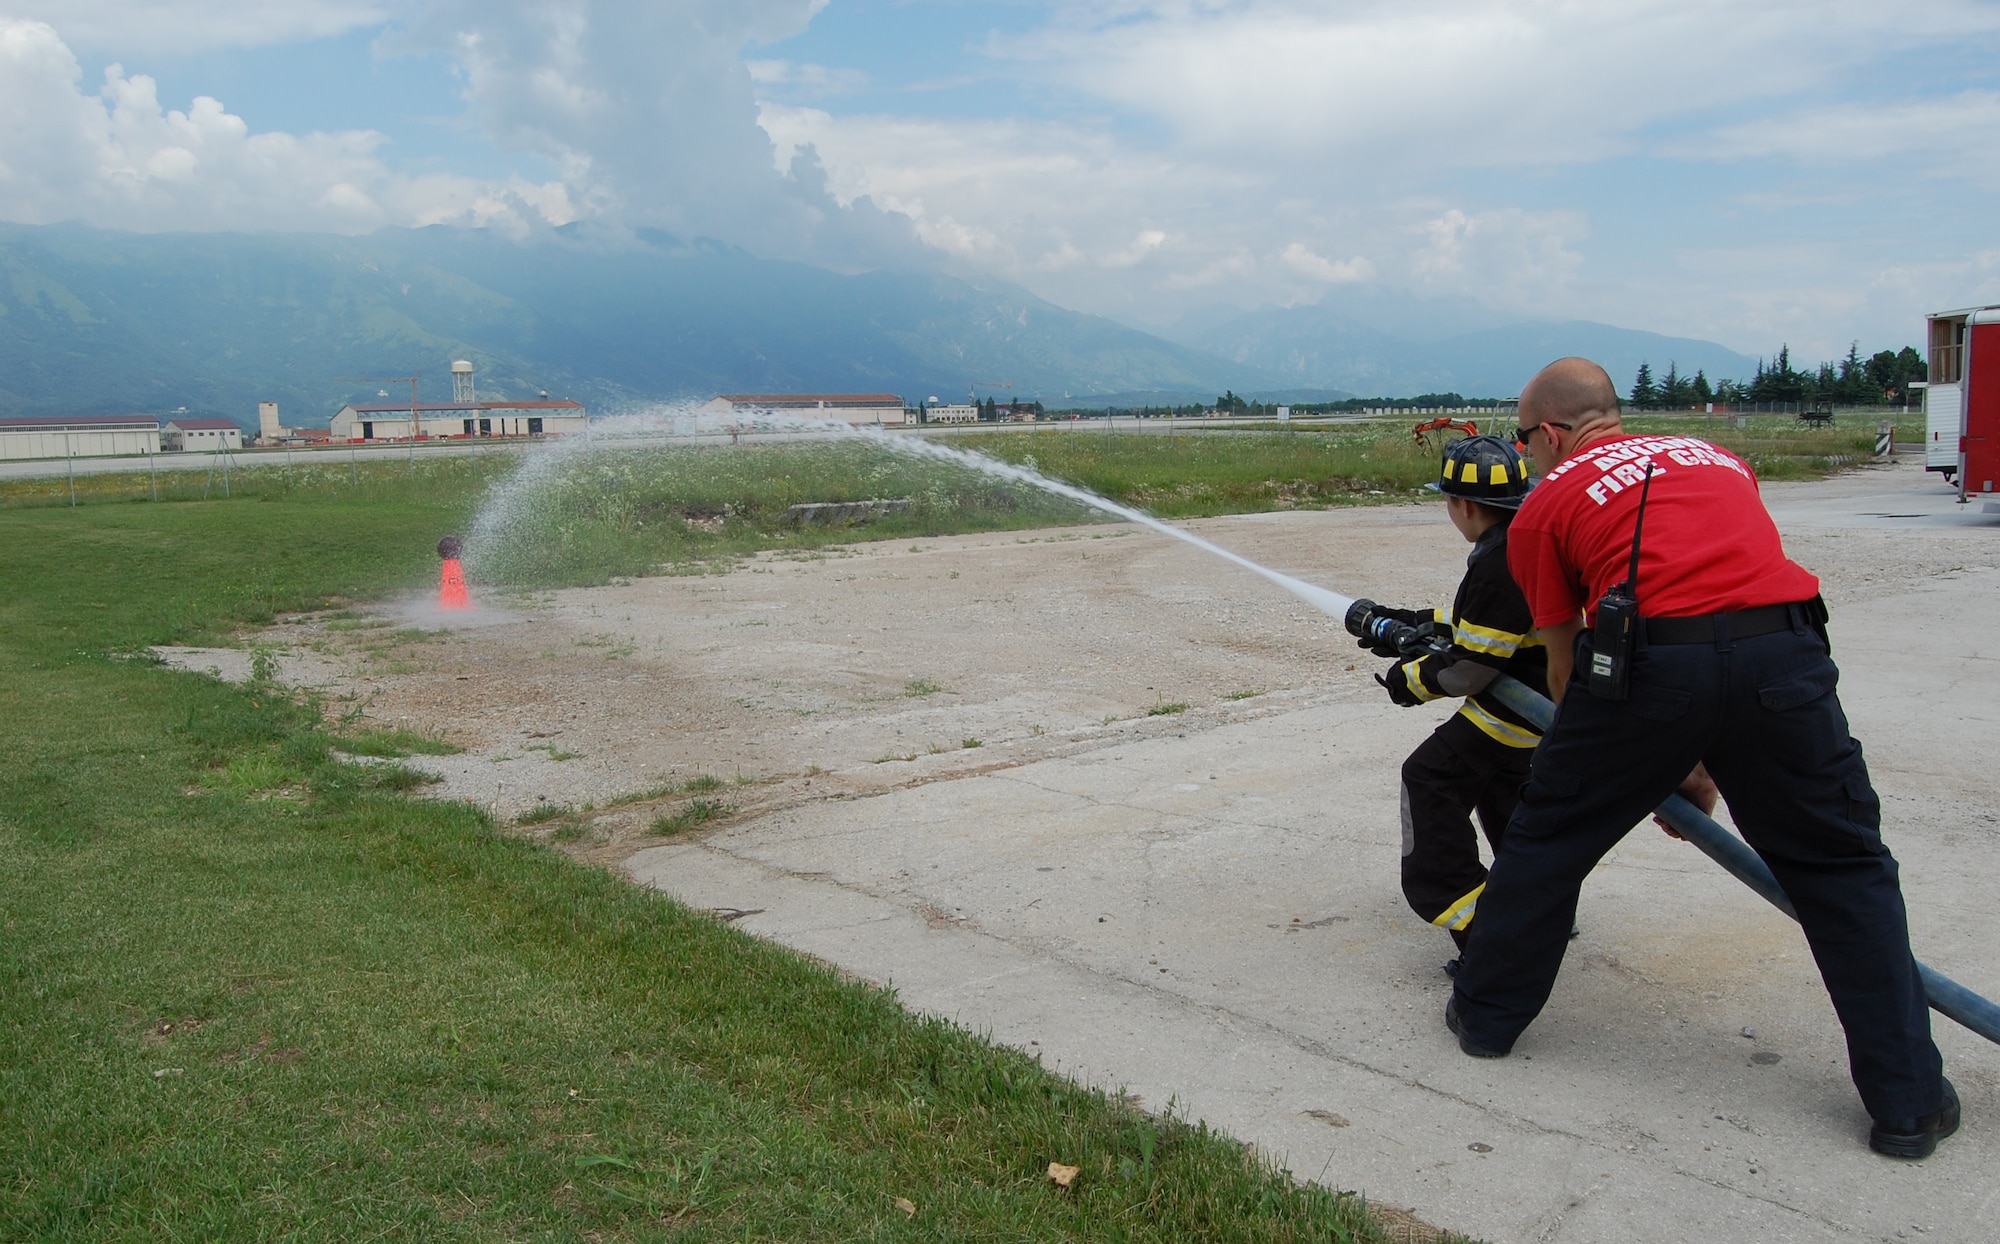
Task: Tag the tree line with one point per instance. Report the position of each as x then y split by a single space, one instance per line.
991 411
1881 379
1233 403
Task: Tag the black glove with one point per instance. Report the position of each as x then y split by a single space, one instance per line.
1397 684
1432 636
1408 617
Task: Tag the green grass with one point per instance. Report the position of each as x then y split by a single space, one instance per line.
694 813
1167 710
248 990
394 743
590 519
692 509
1225 472
1778 447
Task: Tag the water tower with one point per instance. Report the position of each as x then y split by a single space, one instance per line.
461 383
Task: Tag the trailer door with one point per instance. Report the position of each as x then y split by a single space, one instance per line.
1981 449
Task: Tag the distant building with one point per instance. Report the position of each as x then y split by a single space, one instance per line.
184 435
855 408
271 432
956 413
79 436
441 420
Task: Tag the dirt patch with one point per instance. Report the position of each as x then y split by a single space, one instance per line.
802 679
841 675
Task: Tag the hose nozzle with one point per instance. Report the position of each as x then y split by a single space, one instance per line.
1378 628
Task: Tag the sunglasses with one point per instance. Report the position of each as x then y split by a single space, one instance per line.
1521 433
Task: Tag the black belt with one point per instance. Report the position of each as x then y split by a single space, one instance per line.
1706 628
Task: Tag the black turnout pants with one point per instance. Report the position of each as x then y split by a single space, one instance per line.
1764 716
1458 770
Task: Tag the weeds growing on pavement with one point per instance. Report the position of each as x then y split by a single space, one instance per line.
394 743
693 814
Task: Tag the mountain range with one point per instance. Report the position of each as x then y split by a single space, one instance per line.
1381 342
94 321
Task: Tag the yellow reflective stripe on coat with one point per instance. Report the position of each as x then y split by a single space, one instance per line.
1413 675
1476 638
1501 731
1459 914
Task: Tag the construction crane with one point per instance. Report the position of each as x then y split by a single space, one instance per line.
972 392
416 426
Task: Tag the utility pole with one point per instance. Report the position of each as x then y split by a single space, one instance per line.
416 425
972 393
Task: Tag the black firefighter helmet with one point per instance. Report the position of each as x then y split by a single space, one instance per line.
1485 469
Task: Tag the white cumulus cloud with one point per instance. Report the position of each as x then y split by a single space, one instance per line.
649 111
1443 83
805 79
1958 126
1320 268
159 27
118 158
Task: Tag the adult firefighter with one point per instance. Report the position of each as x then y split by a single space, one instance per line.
1728 685
1478 758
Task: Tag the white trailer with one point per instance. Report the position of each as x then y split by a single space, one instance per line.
1962 400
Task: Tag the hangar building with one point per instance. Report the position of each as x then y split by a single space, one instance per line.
200 435
391 422
79 436
856 408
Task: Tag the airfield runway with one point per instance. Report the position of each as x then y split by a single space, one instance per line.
1125 806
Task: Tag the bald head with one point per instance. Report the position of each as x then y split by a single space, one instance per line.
1573 391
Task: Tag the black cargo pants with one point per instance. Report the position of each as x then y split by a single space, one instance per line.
1763 714
1458 770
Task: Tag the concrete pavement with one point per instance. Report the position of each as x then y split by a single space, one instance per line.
1211 920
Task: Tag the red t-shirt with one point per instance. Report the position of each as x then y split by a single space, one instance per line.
1709 546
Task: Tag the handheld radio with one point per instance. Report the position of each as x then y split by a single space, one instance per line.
1618 619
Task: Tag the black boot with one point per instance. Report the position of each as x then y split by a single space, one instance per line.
1918 1137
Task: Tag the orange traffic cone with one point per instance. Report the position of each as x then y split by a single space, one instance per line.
451 582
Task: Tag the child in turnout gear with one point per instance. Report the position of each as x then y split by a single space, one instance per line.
1478 759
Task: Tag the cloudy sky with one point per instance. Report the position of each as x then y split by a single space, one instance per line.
1751 171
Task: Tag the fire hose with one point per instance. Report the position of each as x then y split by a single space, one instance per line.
1947 997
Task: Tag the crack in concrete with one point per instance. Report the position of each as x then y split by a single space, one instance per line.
1749 1194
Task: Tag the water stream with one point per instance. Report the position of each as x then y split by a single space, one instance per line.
638 431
